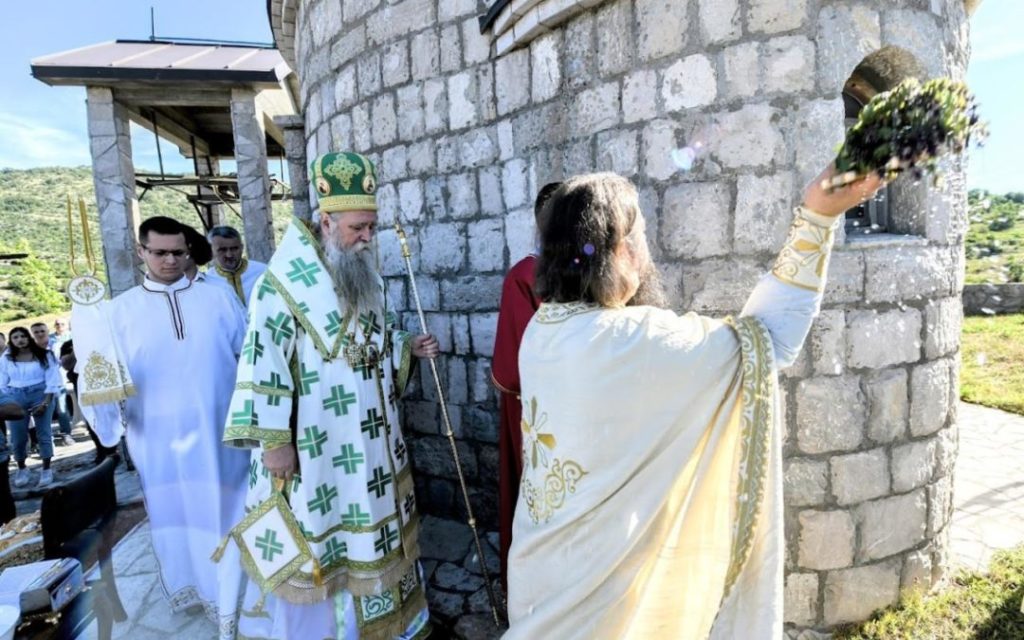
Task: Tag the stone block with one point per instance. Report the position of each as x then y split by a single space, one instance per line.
942 325
489 189
846 35
929 397
805 482
917 571
815 129
659 140
368 73
913 465
689 83
447 155
946 446
476 46
907 273
486 106
462 100
460 334
801 599
695 220
409 109
425 53
356 9
639 96
431 455
860 476
748 137
719 287
844 282
719 21
520 233
940 504
515 184
410 200
486 246
477 148
512 81
741 70
891 525
578 58
615 44
442 248
775 16
828 342
826 540
788 65
661 26
385 122
830 413
617 151
851 595
887 395
471 293
878 339
362 127
916 33
345 88
399 18
545 67
462 201
482 329
395 64
341 131
435 106
763 212
421 157
595 109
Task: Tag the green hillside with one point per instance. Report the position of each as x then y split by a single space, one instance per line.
33 220
995 239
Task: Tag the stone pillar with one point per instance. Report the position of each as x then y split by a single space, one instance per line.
253 175
210 167
295 152
114 182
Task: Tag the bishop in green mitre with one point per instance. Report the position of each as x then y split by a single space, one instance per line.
322 367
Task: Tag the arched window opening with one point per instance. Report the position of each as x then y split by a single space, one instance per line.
871 216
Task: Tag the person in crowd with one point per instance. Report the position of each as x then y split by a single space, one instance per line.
199 254
42 336
518 304
180 342
230 268
317 399
9 410
3 342
651 497
30 374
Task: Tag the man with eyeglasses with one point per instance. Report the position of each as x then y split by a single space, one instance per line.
180 342
230 268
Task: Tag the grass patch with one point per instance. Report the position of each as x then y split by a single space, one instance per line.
993 362
972 607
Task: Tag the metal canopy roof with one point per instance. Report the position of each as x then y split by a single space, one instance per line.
163 60
181 88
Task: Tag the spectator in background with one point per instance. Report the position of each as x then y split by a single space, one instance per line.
230 269
9 410
61 332
30 374
199 254
3 342
46 340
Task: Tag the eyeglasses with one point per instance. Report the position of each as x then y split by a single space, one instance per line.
160 254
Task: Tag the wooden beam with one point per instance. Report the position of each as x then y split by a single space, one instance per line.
174 96
271 103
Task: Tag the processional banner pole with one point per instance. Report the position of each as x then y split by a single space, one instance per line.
407 255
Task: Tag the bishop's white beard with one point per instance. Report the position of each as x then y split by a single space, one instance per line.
354 274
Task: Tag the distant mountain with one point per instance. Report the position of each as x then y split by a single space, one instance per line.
33 219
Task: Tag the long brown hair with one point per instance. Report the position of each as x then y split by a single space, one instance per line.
40 354
582 225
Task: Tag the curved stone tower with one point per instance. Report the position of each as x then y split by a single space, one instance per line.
720 111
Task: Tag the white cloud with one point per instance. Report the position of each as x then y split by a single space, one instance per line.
28 143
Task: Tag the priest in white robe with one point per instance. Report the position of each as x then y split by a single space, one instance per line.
180 342
230 269
651 499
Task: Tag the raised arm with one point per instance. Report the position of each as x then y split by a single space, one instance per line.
788 299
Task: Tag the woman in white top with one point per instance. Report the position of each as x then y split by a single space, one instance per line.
31 375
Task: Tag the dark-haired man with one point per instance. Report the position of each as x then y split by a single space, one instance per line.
180 343
230 268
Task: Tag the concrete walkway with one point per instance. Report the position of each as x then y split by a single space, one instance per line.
988 515
988 487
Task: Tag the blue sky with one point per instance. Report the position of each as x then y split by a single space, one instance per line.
43 126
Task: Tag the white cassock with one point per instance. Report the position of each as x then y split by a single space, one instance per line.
180 343
239 282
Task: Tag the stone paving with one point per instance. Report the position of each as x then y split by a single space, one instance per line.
988 488
989 515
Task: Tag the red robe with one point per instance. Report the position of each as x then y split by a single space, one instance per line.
518 303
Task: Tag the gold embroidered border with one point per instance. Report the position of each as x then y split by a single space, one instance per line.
552 312
755 438
803 260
